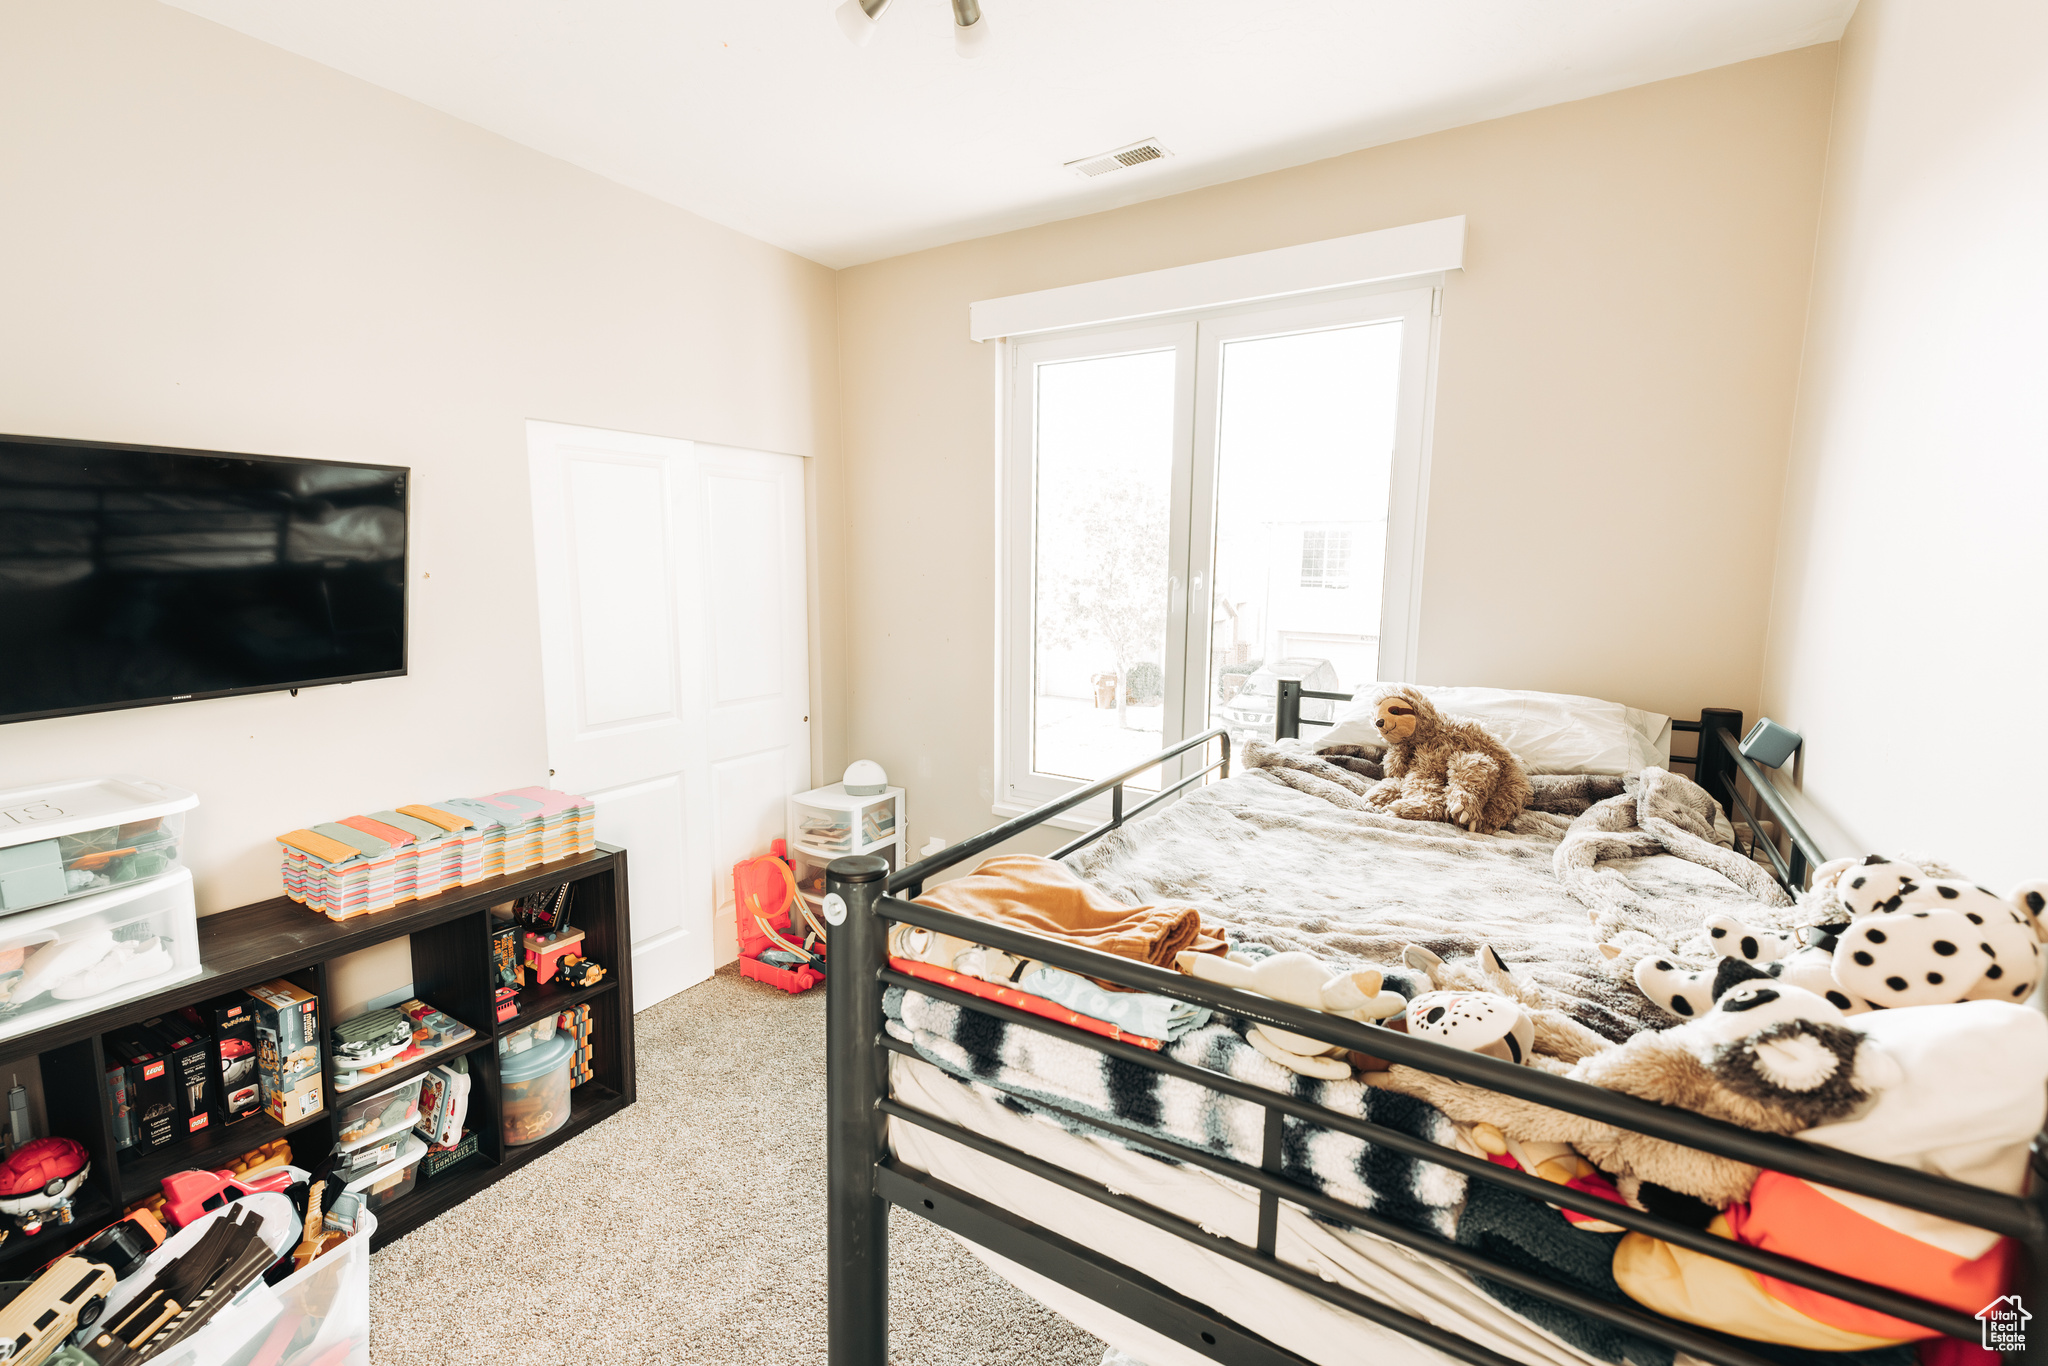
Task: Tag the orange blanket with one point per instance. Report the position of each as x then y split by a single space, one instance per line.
1010 996
1027 892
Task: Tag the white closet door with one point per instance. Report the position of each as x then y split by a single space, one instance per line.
635 538
756 661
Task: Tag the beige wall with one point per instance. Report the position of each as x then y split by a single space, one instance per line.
1616 386
206 241
1907 638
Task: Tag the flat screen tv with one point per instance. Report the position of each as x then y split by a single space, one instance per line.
134 575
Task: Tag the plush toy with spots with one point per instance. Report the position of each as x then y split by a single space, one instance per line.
1477 1021
1890 934
1764 1055
1441 769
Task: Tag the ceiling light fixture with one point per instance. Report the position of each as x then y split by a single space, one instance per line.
858 20
970 28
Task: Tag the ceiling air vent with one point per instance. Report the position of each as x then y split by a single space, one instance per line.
1137 154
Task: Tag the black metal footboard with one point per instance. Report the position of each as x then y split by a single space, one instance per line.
864 898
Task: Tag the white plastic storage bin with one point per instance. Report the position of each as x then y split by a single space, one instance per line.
384 1115
394 1180
72 839
829 822
95 951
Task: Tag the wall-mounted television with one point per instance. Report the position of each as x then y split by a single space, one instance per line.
135 575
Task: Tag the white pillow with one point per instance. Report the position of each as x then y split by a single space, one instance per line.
1549 732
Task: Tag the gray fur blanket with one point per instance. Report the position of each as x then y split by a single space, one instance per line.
1659 812
1017 1066
1289 855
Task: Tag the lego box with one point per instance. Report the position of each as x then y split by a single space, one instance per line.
287 1049
147 1089
190 1054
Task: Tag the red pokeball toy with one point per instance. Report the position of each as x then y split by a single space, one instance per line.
40 1179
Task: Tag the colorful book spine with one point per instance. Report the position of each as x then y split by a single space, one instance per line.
363 864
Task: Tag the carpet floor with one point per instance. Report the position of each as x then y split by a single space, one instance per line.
690 1227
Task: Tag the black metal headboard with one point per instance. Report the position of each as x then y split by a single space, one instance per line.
1718 764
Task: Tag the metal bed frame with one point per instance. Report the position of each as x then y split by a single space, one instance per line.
865 1179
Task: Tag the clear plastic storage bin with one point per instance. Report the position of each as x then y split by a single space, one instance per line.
92 952
320 1315
63 840
395 1179
383 1115
535 1086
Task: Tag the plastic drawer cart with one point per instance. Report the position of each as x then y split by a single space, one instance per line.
85 954
71 839
829 822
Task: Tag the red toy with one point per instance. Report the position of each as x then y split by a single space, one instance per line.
767 905
188 1195
544 951
40 1180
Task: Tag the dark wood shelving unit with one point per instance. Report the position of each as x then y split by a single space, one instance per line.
398 1076
451 963
549 999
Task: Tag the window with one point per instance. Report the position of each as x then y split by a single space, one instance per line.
1196 508
1325 559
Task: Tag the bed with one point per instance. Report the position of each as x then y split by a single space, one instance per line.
1243 1251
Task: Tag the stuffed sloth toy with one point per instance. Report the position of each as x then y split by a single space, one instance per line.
1889 934
1438 769
1765 1055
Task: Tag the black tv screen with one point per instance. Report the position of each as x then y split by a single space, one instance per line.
132 575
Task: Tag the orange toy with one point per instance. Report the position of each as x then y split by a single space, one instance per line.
771 915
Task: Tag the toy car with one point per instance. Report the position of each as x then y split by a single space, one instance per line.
40 1314
188 1195
122 1247
125 1245
40 1180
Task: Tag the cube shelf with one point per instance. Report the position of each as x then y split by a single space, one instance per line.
451 963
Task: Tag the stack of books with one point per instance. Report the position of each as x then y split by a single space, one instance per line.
361 864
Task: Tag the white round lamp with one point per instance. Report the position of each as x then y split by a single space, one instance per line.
864 778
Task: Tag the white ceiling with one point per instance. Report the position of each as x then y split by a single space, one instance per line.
758 114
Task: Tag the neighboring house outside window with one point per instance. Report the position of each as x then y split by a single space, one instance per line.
1325 559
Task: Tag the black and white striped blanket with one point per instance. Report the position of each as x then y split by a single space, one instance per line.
1018 1066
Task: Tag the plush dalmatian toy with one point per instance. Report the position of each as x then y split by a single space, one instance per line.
1891 935
1478 1021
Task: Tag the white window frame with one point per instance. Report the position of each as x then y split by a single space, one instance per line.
1198 335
